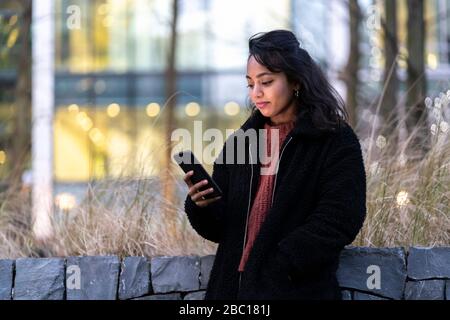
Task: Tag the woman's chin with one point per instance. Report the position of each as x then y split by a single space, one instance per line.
265 113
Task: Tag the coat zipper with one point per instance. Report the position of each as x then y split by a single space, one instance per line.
250 196
248 210
278 165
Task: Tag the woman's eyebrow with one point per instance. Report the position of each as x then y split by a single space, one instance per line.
260 75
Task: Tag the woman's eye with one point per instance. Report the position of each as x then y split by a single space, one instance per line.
263 83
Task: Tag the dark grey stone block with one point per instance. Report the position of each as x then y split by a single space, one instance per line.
98 278
364 296
427 263
346 295
198 295
447 290
134 278
206 264
39 279
175 274
6 278
360 267
425 290
169 296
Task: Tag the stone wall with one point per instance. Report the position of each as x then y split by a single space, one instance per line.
364 274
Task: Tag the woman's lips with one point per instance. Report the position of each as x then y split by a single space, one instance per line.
261 105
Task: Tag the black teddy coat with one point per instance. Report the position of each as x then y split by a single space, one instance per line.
319 206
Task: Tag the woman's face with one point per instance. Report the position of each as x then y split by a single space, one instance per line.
271 92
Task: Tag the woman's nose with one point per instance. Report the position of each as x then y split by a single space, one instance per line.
257 92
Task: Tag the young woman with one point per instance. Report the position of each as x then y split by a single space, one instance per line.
280 233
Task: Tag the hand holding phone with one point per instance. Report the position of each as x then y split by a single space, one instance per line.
203 190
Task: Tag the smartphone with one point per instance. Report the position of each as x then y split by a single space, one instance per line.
187 161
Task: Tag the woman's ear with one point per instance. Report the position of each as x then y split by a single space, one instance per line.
295 86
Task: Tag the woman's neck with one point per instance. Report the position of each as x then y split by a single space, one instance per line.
280 122
277 124
287 116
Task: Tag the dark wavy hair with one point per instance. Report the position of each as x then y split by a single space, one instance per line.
280 51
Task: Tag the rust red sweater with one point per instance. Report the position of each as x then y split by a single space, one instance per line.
263 197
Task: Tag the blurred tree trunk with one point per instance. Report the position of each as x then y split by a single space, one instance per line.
171 79
21 145
391 82
416 81
352 67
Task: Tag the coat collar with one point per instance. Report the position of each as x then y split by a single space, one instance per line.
304 126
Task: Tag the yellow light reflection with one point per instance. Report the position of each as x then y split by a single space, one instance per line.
232 108
96 136
99 167
113 110
432 61
68 140
87 124
65 201
402 198
84 121
81 116
73 108
12 38
2 157
153 109
192 109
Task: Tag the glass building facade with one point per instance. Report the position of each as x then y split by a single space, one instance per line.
110 85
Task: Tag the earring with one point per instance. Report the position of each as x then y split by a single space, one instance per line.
296 92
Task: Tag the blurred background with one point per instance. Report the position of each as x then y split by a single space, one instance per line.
90 91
